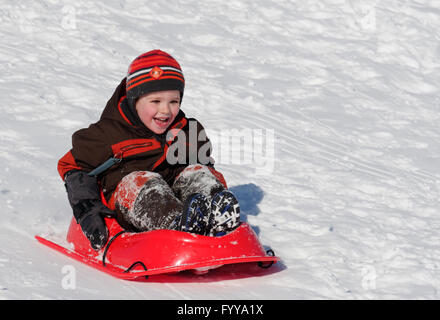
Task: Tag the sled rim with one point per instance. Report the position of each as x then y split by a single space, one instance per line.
133 273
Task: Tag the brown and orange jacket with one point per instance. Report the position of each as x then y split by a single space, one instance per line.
120 134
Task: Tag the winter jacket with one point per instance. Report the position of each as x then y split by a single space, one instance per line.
120 134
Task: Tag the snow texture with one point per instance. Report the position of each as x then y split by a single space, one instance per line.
350 89
196 179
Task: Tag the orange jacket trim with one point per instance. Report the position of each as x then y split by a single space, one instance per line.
132 147
67 163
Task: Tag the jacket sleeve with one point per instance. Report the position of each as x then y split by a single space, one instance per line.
89 150
67 163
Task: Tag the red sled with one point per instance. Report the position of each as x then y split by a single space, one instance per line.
129 255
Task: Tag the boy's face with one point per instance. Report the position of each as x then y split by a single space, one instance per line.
157 110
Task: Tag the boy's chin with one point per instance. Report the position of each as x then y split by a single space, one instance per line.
157 130
158 127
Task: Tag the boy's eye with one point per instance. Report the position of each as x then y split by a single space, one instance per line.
156 101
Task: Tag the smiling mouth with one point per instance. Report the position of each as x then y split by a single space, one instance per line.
161 121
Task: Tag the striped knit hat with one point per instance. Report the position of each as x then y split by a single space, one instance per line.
152 71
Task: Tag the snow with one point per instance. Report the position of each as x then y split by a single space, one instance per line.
349 88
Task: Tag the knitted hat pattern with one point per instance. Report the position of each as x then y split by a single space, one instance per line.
152 71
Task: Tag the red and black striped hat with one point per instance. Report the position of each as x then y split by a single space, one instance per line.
155 70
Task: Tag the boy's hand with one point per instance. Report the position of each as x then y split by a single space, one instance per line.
92 222
89 211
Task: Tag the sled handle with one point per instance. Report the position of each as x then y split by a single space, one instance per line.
134 265
271 253
130 267
108 245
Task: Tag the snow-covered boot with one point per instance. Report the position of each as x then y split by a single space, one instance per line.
225 213
195 215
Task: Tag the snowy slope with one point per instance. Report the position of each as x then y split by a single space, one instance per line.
348 88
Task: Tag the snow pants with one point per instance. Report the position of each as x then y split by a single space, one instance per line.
144 201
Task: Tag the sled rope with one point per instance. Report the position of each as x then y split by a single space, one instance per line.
270 252
108 245
130 267
134 265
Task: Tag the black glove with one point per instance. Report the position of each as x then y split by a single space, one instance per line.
88 209
92 222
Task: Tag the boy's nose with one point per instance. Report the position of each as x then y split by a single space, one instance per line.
165 108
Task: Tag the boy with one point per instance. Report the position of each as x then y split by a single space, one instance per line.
138 135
